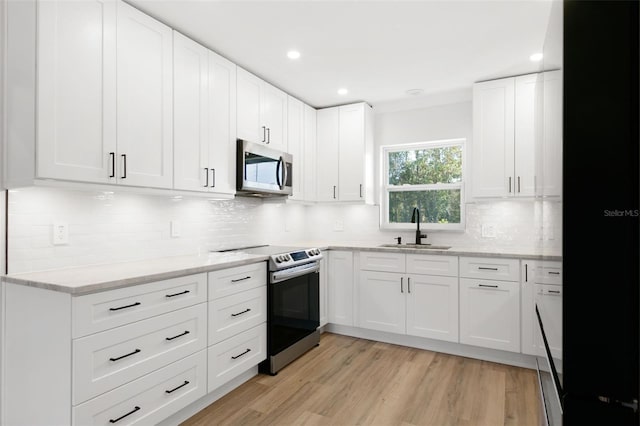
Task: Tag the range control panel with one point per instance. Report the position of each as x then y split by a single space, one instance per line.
294 258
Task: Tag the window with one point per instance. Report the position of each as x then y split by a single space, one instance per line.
427 175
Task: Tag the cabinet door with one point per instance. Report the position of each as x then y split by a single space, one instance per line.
527 131
309 142
190 89
327 154
340 287
432 307
552 135
76 90
296 146
144 100
222 125
351 158
275 116
381 301
324 317
249 99
548 299
529 322
490 314
493 138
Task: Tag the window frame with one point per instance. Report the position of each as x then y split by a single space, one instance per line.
386 188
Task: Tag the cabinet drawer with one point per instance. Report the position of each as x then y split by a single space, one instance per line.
109 359
151 398
382 261
234 314
432 265
226 282
101 311
548 273
490 268
236 355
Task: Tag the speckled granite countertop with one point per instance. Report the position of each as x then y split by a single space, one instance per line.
91 279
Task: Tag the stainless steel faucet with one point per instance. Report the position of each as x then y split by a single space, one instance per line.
415 218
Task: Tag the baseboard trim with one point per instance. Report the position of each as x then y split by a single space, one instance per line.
459 349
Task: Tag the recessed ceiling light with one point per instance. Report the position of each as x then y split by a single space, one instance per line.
293 54
536 57
415 92
342 91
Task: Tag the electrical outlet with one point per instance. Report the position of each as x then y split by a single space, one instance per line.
338 225
60 233
488 230
175 228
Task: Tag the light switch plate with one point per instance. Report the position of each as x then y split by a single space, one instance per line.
338 225
488 230
60 233
175 228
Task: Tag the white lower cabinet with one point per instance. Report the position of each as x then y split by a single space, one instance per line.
490 314
232 314
381 301
149 399
432 307
324 279
340 287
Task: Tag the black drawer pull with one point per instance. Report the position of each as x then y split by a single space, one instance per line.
240 313
240 279
554 291
122 417
179 335
125 307
243 353
487 269
554 273
186 382
124 356
177 294
487 285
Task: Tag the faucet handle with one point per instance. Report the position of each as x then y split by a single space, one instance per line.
399 240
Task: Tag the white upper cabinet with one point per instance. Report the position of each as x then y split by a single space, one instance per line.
551 164
76 82
204 125
144 100
310 135
296 146
505 131
261 111
345 153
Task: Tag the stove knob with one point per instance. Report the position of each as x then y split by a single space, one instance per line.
287 257
277 259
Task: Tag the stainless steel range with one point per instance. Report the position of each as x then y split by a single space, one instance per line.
293 303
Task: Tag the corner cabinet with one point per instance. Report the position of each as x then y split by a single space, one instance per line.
340 287
261 111
345 153
302 146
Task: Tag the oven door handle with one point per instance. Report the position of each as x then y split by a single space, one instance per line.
294 272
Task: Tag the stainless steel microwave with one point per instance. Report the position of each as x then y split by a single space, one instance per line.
263 171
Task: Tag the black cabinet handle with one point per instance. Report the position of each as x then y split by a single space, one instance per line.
124 356
186 382
213 178
487 269
240 313
177 294
113 164
264 134
242 354
401 285
240 279
360 190
526 272
125 307
268 135
409 284
554 291
554 273
206 173
124 162
487 285
334 192
518 184
122 417
179 335
509 184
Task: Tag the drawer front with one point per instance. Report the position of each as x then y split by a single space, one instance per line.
101 311
236 355
226 282
234 314
106 360
382 261
149 399
432 265
549 273
490 268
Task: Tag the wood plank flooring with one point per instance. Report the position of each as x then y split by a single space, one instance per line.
349 381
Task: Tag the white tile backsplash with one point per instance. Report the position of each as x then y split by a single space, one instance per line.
117 227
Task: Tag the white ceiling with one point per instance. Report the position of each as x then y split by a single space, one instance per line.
376 49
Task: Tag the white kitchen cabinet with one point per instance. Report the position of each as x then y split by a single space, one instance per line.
340 287
296 146
204 130
345 153
310 135
261 111
381 301
504 137
144 100
432 307
530 343
324 270
551 162
490 314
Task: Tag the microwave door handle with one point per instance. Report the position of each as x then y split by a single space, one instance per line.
285 173
278 173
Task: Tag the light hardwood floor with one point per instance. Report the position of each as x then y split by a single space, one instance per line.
348 381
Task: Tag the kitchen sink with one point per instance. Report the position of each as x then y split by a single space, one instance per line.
416 246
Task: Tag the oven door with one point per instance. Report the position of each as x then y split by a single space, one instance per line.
262 170
294 306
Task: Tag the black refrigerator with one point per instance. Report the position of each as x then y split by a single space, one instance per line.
601 189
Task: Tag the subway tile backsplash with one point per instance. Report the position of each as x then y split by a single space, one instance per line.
107 227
